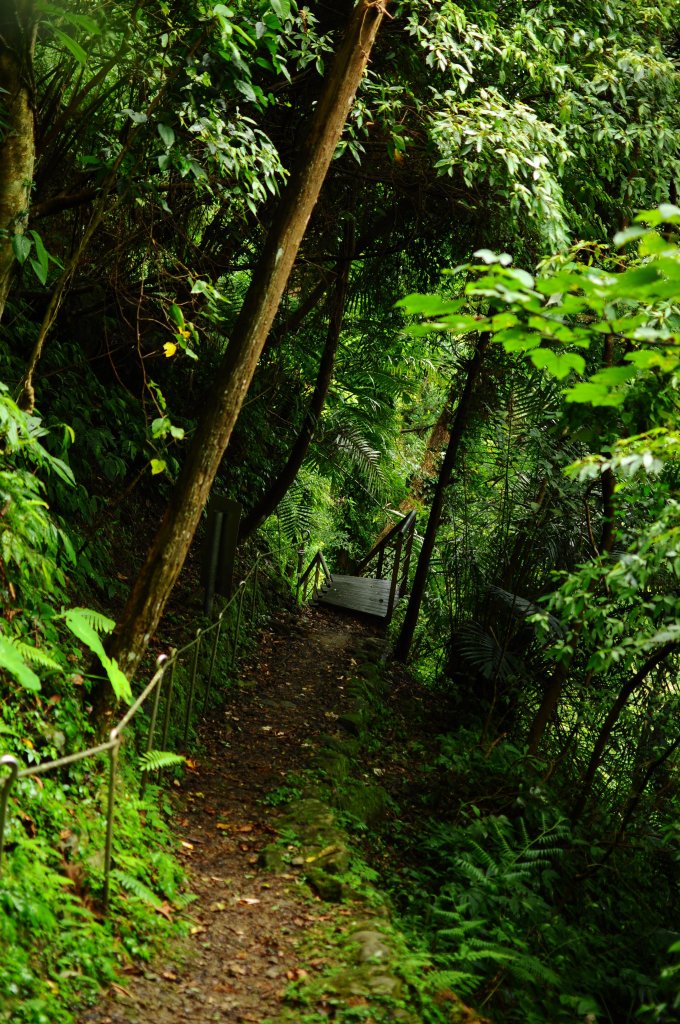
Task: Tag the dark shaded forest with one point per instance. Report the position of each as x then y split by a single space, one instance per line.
340 263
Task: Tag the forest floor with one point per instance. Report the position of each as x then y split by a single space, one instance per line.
247 923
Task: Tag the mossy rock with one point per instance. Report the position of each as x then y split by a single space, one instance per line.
372 947
366 802
334 764
306 814
354 722
273 858
334 857
367 980
328 887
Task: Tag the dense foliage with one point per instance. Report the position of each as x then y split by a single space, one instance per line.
145 146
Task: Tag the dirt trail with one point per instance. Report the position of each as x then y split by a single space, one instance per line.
241 956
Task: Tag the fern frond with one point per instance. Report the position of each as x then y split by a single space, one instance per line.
36 656
154 760
137 888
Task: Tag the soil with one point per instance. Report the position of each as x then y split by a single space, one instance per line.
246 923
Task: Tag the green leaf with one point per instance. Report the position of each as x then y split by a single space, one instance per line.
11 660
176 314
559 364
79 621
594 394
158 466
70 44
21 247
167 135
281 8
40 271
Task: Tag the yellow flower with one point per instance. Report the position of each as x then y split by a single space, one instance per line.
169 348
183 332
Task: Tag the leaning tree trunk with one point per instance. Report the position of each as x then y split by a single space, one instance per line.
405 639
279 487
637 680
171 544
17 142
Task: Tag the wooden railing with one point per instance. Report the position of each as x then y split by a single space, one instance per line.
319 567
395 547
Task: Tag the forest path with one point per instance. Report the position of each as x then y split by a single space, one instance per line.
241 955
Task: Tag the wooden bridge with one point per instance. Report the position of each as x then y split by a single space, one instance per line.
375 595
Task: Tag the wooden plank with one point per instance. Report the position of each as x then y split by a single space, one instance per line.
359 594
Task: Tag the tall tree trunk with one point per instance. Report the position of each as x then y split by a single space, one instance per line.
17 143
171 544
403 644
279 487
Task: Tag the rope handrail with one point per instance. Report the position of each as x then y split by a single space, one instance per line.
165 665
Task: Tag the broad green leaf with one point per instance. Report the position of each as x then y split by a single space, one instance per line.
281 8
40 271
560 364
158 466
21 246
594 394
167 135
70 44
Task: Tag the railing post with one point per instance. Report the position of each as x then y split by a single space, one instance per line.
13 765
403 586
154 717
395 577
113 767
168 697
300 569
213 656
237 630
381 559
256 578
192 686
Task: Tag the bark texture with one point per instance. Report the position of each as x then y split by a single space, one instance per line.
171 544
17 144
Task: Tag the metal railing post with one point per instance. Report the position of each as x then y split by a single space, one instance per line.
213 656
168 697
110 804
403 587
237 630
256 578
192 685
154 717
6 762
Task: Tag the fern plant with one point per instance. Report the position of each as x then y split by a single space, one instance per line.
156 760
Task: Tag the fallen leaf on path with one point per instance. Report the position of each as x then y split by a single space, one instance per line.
222 826
121 990
216 907
165 910
169 976
236 969
197 930
187 846
296 974
248 901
